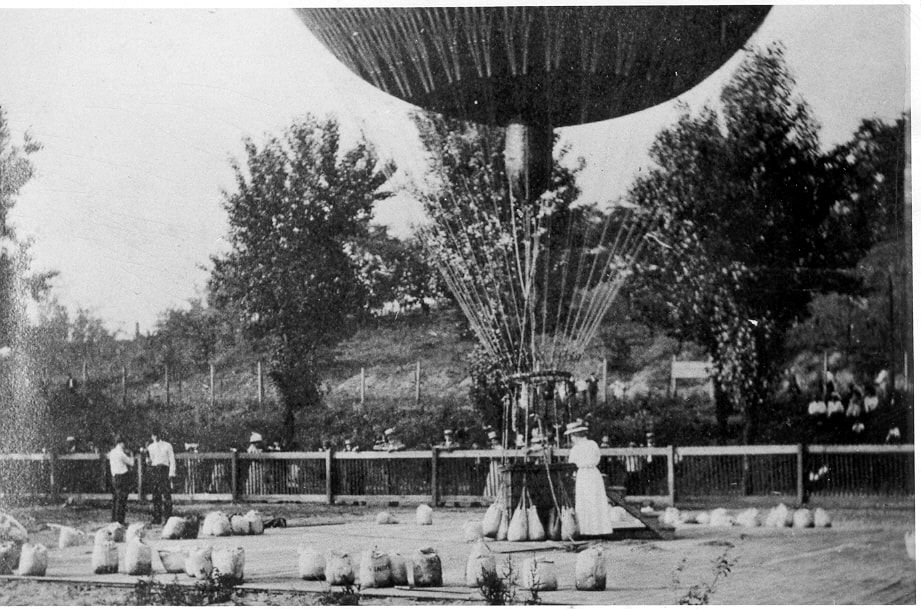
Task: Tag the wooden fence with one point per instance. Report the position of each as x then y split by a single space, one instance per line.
665 475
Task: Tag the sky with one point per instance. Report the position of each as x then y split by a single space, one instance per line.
140 112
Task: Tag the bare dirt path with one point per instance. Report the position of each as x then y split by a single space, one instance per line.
861 559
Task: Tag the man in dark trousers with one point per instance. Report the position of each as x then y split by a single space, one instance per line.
162 470
119 466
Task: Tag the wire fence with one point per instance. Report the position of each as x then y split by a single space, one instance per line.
661 474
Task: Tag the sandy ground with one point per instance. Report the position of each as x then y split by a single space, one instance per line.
861 559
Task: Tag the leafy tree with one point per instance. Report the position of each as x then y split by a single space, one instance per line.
298 201
746 204
395 271
18 403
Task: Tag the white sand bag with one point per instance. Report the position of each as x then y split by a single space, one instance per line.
537 574
720 518
536 530
779 517
473 531
118 531
479 562
591 571
217 524
311 564
518 525
910 544
671 517
33 560
423 515
502 534
10 552
385 518
198 562
492 519
12 530
426 568
569 527
174 527
138 558
802 519
748 518
254 519
374 570
239 525
398 571
69 537
173 560
103 535
105 557
821 518
339 569
136 531
702 518
229 561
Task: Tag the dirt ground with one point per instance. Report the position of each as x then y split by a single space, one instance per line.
861 559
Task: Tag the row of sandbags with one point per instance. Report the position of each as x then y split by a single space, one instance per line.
536 573
203 561
525 524
423 516
777 517
375 569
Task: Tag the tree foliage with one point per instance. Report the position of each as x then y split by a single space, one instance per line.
299 199
747 227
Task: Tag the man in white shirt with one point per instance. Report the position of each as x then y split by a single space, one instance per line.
163 470
119 464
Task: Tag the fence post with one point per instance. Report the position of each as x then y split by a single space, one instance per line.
434 477
259 382
801 496
329 475
140 466
418 380
671 475
53 476
234 470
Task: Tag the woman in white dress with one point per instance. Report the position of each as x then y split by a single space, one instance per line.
591 499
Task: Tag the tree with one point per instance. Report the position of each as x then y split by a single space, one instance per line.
395 271
298 201
17 391
746 233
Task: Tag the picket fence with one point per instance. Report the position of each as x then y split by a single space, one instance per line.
664 475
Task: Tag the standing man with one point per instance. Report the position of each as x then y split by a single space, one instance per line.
163 470
119 463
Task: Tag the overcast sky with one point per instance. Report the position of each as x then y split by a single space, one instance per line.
139 113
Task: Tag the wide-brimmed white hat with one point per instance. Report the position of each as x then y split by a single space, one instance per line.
389 431
255 437
575 427
449 432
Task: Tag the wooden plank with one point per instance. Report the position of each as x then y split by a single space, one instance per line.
383 498
297 498
659 531
400 454
713 451
861 449
202 497
28 457
286 456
